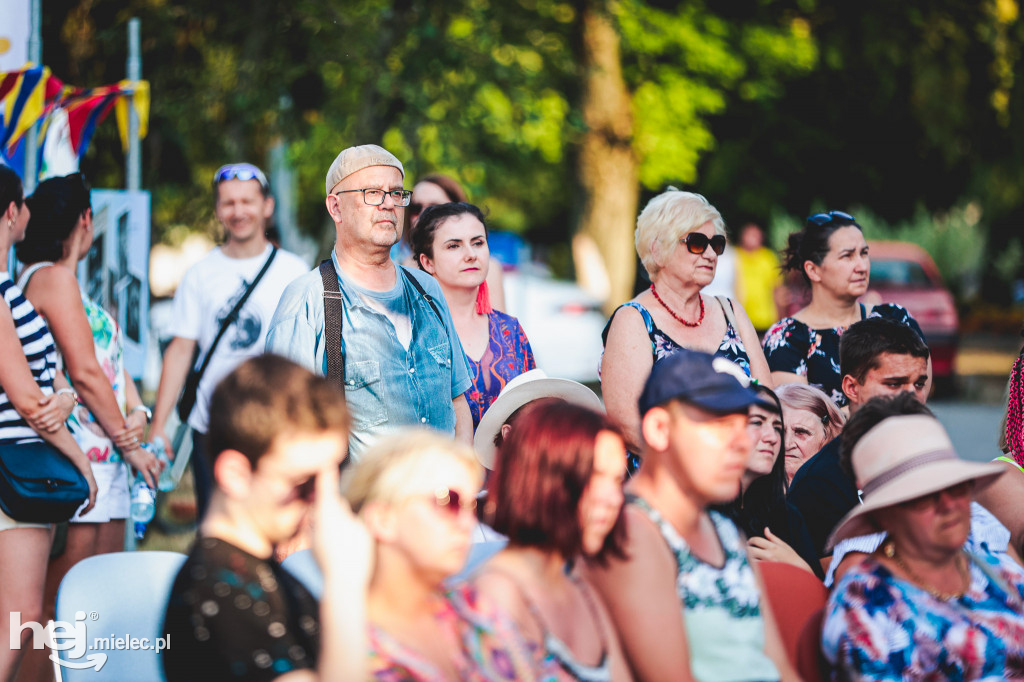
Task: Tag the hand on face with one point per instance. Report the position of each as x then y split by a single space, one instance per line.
343 546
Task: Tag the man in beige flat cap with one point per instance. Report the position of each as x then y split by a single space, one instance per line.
399 361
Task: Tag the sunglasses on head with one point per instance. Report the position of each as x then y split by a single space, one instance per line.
452 502
697 243
240 171
823 219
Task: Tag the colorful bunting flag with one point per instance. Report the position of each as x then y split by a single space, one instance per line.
30 95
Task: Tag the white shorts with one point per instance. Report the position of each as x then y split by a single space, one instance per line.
7 523
113 500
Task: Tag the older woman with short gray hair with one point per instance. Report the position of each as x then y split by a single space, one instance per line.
679 237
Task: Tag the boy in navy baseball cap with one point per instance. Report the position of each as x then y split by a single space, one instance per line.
682 595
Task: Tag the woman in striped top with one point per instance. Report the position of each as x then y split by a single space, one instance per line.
29 411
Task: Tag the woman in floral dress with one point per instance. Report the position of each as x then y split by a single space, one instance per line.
831 254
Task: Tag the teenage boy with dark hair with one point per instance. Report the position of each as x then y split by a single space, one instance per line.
877 357
277 438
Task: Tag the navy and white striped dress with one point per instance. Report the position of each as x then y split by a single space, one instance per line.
40 352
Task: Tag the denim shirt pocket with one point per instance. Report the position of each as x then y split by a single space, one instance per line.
364 392
442 353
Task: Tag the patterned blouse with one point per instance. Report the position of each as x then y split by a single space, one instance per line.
721 605
662 344
507 356
880 627
492 648
792 346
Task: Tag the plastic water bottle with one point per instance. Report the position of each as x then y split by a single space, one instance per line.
143 505
158 449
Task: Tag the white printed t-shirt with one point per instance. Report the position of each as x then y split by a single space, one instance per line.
208 292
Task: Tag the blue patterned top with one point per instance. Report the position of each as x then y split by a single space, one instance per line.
792 346
721 605
662 345
40 353
880 627
507 356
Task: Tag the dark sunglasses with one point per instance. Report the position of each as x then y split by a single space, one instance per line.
697 243
452 502
241 171
958 491
823 219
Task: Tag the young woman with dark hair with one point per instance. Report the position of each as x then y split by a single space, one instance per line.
432 190
775 531
557 495
450 243
831 254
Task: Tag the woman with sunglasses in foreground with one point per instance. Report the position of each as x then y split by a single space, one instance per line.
679 236
416 493
557 495
831 254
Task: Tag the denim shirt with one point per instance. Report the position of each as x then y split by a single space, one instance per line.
386 386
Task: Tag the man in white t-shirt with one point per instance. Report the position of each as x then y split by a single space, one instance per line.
208 293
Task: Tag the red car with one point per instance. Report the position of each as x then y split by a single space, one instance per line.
904 273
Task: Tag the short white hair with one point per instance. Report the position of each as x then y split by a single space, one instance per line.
666 219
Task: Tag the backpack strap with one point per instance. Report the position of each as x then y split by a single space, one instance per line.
333 315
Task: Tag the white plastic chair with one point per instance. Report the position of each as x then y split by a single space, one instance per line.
124 596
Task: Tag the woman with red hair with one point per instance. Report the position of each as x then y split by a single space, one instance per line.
557 496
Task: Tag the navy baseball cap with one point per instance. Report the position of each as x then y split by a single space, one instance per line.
711 383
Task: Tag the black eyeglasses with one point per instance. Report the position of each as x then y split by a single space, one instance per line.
697 243
375 197
452 502
241 171
823 219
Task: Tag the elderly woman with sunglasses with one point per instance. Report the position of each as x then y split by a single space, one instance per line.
831 254
922 606
416 491
679 236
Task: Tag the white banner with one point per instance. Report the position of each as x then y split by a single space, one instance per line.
116 271
14 30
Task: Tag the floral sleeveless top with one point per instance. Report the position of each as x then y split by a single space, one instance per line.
792 346
492 648
721 605
662 345
106 336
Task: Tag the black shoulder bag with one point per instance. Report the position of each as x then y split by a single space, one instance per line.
188 394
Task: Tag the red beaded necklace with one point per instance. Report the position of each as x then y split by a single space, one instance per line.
676 315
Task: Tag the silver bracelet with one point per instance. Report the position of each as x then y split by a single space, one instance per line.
144 410
70 392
